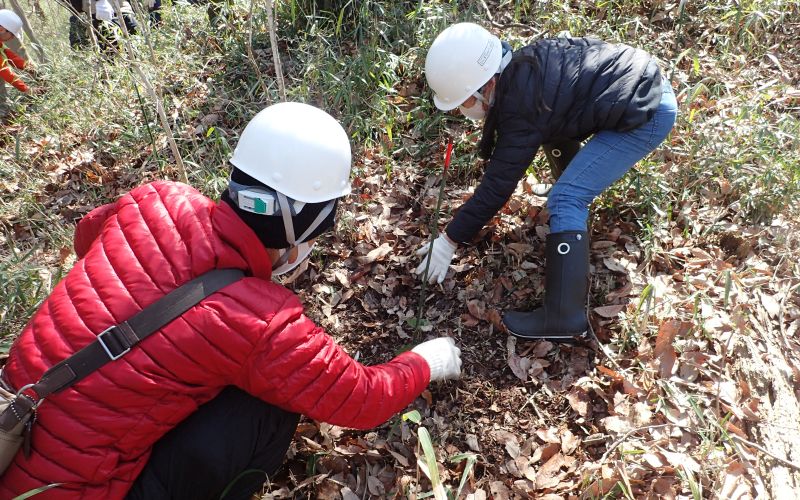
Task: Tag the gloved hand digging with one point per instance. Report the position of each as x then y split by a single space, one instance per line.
443 357
443 251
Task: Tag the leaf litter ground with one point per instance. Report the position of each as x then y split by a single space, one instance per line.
660 407
690 391
638 415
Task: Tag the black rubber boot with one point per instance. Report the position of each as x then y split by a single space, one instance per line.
559 154
562 317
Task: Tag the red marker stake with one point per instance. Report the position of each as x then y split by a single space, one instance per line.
434 235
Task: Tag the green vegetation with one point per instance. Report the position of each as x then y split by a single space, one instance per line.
725 185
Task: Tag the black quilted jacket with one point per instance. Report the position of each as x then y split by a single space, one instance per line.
560 88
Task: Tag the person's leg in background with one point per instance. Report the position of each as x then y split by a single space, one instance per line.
559 154
106 38
77 32
220 13
604 159
235 435
77 27
128 18
155 14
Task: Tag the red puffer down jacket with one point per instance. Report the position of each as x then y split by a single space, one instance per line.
96 437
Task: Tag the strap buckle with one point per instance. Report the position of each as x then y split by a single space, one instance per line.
21 392
109 331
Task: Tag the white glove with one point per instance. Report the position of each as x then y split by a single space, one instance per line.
103 10
442 251
443 357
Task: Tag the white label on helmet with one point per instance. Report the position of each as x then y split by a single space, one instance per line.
486 53
258 203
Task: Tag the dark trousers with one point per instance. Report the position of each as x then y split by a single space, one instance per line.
233 442
106 37
155 14
219 11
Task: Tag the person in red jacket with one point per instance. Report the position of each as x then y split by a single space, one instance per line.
213 398
11 30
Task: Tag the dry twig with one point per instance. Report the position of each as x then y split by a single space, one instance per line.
273 41
763 450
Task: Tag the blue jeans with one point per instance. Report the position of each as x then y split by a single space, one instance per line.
605 158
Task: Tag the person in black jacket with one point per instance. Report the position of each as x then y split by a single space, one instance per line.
555 92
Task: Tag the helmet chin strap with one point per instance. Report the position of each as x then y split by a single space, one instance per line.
288 226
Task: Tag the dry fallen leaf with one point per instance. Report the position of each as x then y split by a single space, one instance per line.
347 494
543 453
616 424
734 484
679 460
375 486
548 475
615 265
477 308
579 401
499 491
664 352
376 254
770 304
610 311
512 447
569 442
600 487
653 460
519 366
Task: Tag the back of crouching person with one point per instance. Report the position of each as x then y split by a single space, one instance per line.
212 399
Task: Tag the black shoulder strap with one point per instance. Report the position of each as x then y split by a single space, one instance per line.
116 340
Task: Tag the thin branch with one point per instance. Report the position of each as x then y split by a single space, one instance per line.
162 115
631 432
273 41
37 45
763 450
434 234
251 56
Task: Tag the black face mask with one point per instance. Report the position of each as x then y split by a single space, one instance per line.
269 228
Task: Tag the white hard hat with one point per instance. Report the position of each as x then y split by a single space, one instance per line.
11 21
297 150
461 59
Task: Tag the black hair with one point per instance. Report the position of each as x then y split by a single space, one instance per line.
488 137
504 87
269 228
